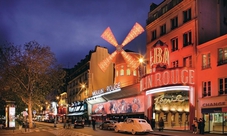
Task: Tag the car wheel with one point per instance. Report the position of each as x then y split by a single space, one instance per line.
116 129
133 132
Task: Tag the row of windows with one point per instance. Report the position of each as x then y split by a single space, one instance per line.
222 58
187 62
128 72
80 79
222 84
174 24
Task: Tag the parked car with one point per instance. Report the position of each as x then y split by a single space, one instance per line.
133 125
109 124
79 123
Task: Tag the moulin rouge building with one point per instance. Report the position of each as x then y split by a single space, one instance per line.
186 64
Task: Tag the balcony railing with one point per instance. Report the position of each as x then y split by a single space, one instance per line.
206 66
222 62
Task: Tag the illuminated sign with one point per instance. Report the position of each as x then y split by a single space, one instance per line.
12 112
183 76
213 104
109 89
77 107
162 100
159 56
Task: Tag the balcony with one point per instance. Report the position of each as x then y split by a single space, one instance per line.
206 66
222 62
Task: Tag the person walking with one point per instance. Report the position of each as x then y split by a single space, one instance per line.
202 125
93 123
64 121
161 124
194 125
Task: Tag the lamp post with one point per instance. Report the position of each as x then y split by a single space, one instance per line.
142 67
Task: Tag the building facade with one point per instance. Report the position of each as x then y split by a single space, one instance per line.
212 84
175 29
84 78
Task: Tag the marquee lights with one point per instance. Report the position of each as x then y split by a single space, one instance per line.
165 89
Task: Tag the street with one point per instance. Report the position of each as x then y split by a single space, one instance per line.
48 129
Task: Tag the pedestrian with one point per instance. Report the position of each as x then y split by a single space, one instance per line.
194 125
69 123
161 124
64 121
202 125
93 123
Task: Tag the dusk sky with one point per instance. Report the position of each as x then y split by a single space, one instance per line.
72 27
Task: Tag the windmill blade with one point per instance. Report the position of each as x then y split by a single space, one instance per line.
109 37
104 64
136 30
131 61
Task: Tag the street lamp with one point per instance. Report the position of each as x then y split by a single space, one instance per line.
142 67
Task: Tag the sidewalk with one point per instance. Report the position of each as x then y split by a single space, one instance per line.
180 133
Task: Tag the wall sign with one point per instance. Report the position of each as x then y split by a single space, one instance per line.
168 77
211 104
109 88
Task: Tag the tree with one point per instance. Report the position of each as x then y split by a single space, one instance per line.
30 72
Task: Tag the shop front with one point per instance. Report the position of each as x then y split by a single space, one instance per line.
77 111
170 91
214 112
119 109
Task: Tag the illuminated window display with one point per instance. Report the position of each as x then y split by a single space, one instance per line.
216 122
173 107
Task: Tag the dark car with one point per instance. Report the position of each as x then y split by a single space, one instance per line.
79 123
109 124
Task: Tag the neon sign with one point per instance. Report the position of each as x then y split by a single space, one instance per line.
109 89
168 77
162 100
160 56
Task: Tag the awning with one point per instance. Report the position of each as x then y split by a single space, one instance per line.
125 92
98 115
95 100
75 114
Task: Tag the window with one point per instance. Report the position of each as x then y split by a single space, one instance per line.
222 56
134 73
175 64
206 89
206 61
187 61
174 23
163 29
174 43
155 15
175 2
122 72
128 72
222 86
164 9
153 35
187 15
187 38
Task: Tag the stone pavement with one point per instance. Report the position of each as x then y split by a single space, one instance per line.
180 133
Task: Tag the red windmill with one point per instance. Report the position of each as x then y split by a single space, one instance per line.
109 37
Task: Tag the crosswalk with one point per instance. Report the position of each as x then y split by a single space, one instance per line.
67 132
56 131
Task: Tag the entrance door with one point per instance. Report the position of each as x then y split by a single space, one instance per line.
225 123
207 122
